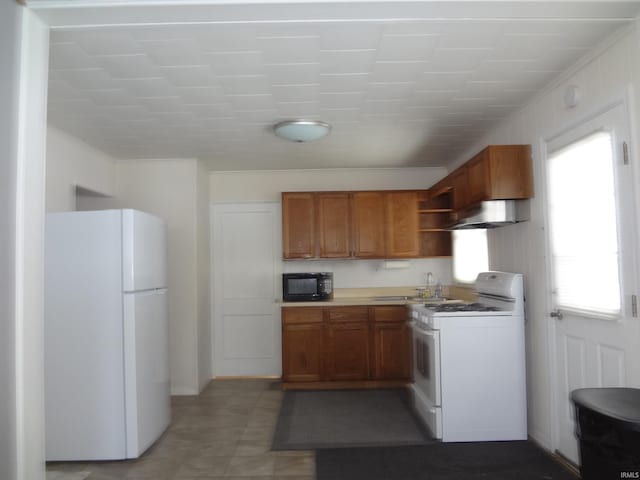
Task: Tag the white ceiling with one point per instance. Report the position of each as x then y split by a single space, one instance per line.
405 84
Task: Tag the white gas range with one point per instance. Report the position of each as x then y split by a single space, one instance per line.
469 363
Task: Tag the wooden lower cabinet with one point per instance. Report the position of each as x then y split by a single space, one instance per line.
347 353
345 347
390 336
389 339
303 352
302 344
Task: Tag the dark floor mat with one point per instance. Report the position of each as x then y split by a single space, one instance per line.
347 418
441 461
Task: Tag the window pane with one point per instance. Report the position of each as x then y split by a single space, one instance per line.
470 255
584 237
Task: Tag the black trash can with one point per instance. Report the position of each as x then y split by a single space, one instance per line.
608 428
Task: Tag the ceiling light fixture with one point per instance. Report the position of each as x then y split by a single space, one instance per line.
301 130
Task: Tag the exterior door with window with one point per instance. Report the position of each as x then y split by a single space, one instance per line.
592 264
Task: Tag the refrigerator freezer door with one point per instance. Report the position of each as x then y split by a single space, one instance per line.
144 251
146 368
83 337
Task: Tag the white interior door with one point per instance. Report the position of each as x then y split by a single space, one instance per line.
592 263
246 284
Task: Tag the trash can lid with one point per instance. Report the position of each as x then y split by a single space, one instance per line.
620 404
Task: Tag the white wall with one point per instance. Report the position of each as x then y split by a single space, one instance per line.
249 186
520 247
267 185
372 273
169 189
70 163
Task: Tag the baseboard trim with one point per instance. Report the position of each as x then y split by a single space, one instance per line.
247 377
358 384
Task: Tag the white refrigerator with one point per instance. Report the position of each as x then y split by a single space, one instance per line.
106 334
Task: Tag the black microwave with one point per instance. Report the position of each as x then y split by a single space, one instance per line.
307 287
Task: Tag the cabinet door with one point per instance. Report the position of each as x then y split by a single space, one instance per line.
334 225
460 184
402 224
510 171
298 225
367 213
348 350
478 179
391 351
302 352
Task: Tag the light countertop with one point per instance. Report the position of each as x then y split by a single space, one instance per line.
367 296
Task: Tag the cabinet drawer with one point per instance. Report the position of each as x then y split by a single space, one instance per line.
348 314
390 314
301 315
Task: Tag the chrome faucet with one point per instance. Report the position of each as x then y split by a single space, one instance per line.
428 285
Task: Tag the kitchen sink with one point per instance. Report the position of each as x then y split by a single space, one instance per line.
395 298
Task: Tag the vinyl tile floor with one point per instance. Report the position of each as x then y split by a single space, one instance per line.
223 433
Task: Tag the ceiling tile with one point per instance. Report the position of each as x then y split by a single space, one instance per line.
406 47
293 73
128 66
163 104
343 82
109 42
174 52
110 97
456 59
389 90
296 93
396 71
148 87
227 38
442 80
342 99
252 102
88 79
346 61
290 49
247 84
69 55
236 63
349 36
306 109
200 95
190 76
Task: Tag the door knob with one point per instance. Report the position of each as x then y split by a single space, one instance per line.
556 314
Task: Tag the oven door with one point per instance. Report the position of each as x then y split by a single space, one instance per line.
427 364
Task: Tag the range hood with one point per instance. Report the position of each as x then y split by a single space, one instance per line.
492 214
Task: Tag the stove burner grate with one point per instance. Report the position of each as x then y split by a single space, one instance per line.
464 307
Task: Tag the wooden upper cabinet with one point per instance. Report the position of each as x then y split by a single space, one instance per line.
298 225
460 184
478 178
510 172
401 224
499 172
334 224
367 217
